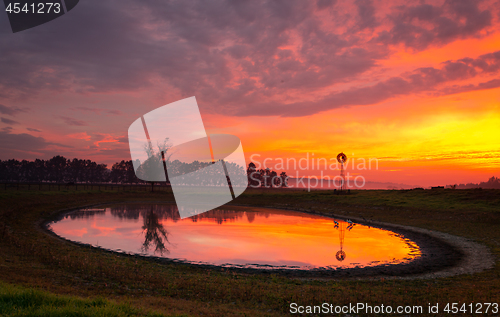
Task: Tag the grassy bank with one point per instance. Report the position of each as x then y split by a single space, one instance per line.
19 301
31 258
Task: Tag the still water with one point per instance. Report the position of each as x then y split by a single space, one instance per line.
235 236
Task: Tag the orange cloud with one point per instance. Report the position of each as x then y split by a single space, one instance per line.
80 136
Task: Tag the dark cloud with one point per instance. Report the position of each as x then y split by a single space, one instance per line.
422 80
123 139
8 121
10 110
323 4
236 57
87 109
118 153
219 51
423 25
98 110
23 143
73 121
356 96
454 89
114 112
33 130
101 136
366 14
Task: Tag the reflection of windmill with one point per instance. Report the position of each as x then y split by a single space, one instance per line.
342 158
340 255
154 233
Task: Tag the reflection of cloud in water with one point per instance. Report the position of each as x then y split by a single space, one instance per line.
86 213
258 237
79 232
125 230
170 212
267 262
95 231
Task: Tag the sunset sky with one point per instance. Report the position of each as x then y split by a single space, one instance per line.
415 84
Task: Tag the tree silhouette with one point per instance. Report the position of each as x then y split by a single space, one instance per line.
155 164
265 177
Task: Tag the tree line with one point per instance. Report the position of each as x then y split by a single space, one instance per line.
62 170
492 183
57 169
265 177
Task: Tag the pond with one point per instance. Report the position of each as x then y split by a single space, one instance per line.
235 236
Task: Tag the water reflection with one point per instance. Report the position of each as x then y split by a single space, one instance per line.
341 226
244 237
155 233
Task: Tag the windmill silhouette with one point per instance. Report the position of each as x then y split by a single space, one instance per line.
342 158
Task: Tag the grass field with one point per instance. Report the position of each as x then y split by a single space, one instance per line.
19 301
45 270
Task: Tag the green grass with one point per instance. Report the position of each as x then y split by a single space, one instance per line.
31 258
19 301
467 200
